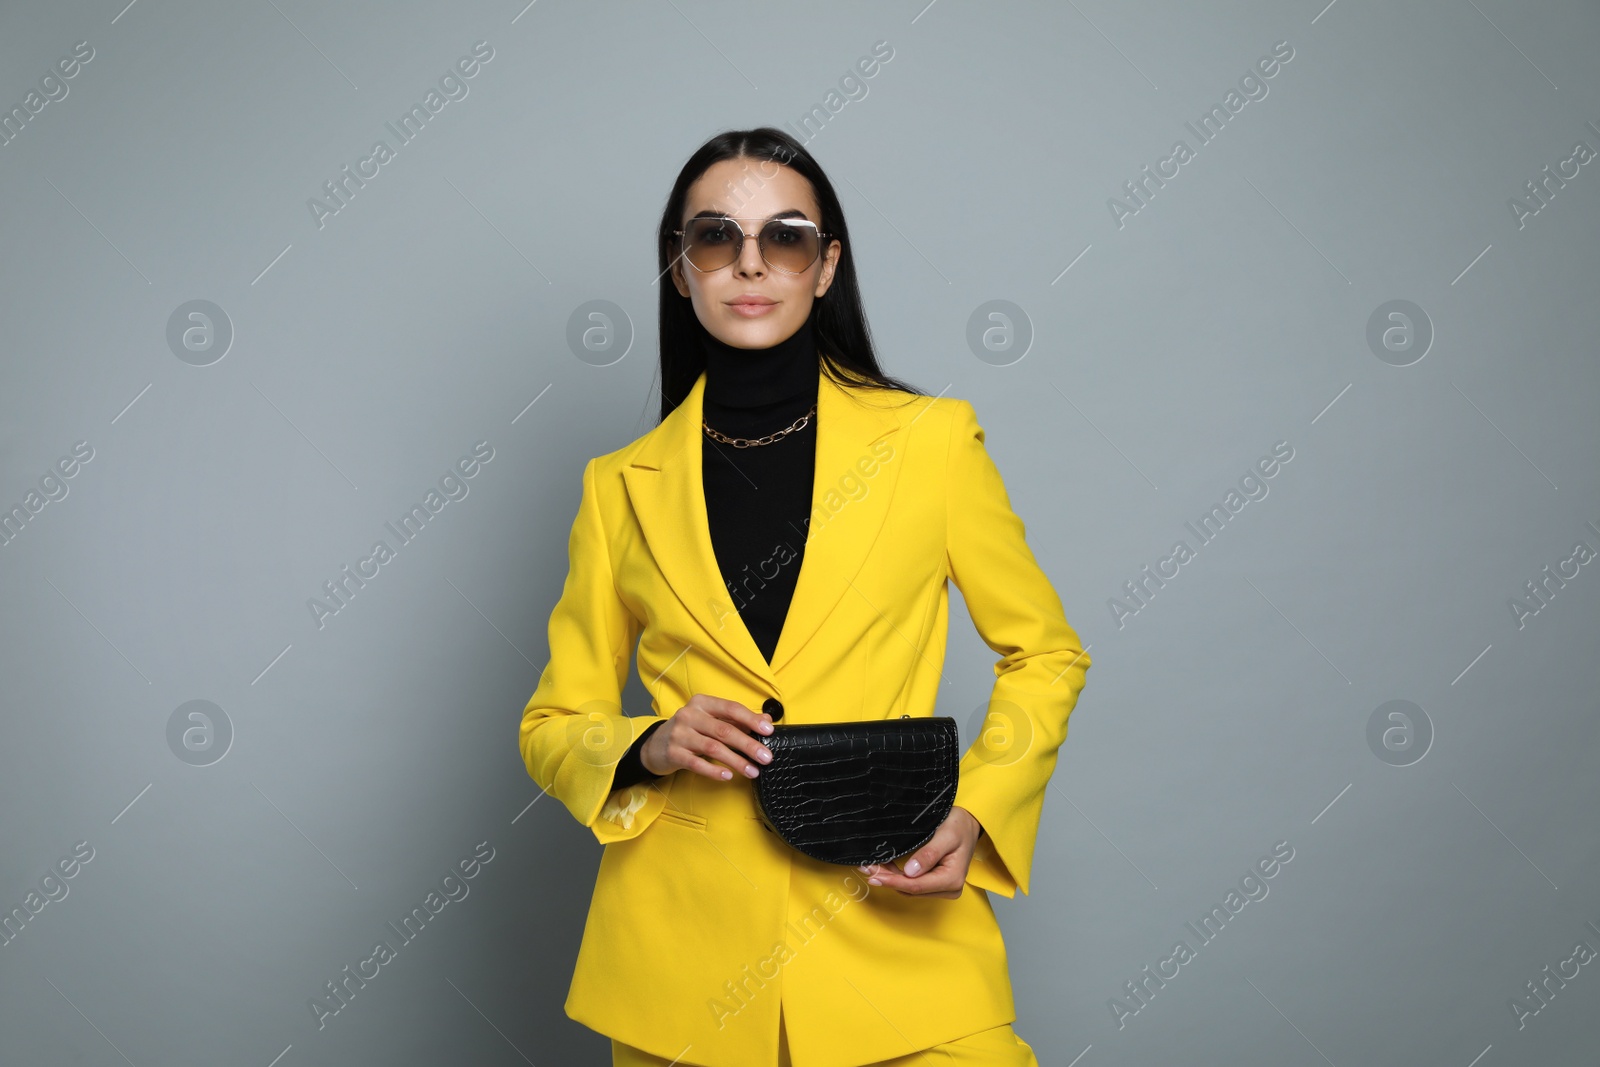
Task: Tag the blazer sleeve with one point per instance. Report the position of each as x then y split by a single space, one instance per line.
573 730
1038 677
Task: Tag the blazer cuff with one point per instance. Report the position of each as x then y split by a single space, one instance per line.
628 811
630 768
987 870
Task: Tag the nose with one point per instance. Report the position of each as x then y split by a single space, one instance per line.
750 262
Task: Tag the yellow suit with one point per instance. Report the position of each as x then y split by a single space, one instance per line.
703 921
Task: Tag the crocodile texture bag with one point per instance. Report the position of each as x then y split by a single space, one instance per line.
859 792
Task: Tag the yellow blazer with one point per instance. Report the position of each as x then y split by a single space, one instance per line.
702 919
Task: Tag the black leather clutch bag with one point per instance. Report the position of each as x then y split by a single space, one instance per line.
859 792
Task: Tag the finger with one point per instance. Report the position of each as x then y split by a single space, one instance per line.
929 856
740 716
716 750
737 742
681 755
750 746
691 761
942 881
947 874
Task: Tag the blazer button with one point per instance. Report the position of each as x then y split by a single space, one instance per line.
772 707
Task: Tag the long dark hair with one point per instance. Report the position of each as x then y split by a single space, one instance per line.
837 317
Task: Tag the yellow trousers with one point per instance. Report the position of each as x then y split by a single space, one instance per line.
998 1047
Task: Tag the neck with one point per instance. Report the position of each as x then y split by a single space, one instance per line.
757 377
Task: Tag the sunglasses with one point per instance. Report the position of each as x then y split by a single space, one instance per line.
788 245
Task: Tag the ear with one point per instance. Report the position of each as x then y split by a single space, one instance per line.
830 263
678 279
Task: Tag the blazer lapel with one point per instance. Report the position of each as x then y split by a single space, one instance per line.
666 490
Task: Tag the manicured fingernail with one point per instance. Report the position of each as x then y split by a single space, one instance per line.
863 869
912 867
766 727
764 756
873 881
750 772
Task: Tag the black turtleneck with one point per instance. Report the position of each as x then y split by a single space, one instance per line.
758 498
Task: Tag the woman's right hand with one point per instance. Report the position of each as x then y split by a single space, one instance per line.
705 729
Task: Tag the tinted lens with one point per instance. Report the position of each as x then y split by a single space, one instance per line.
711 244
788 245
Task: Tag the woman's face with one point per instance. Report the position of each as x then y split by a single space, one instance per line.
753 191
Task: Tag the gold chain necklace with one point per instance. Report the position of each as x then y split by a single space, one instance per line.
750 442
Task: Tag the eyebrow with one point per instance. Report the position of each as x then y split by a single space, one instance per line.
792 213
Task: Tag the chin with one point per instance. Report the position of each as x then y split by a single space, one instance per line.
756 334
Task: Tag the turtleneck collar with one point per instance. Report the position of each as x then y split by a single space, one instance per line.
761 377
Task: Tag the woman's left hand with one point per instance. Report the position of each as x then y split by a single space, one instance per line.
939 868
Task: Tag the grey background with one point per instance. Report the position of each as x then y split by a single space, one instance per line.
1230 313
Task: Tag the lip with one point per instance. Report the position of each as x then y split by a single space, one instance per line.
751 306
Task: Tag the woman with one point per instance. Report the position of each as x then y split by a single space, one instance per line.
779 547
